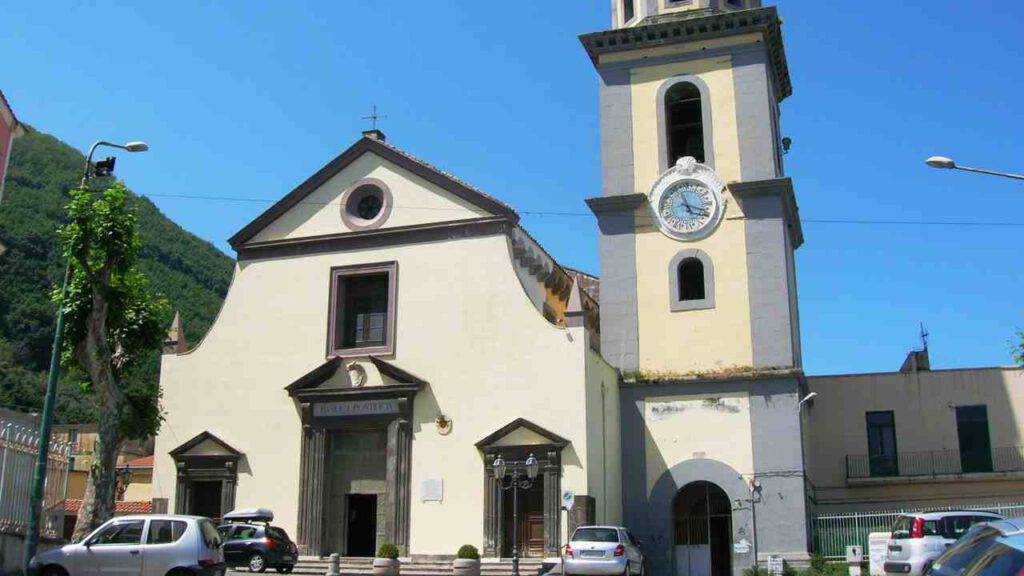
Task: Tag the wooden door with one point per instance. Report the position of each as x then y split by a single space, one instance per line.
534 535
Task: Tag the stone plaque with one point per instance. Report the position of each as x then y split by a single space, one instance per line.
355 408
432 490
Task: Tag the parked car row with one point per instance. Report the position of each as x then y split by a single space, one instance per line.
162 545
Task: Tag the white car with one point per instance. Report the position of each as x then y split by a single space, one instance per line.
150 545
918 539
603 551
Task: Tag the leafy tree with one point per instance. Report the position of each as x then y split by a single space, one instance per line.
113 323
189 271
1018 348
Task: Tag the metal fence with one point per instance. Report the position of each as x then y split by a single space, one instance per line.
18 452
933 463
832 533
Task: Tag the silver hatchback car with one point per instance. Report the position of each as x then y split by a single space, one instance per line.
603 551
149 545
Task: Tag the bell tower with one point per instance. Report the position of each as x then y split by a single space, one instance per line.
698 222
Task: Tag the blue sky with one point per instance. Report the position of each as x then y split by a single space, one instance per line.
245 99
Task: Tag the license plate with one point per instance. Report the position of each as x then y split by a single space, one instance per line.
593 554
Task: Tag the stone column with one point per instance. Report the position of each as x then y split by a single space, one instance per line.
181 490
310 531
492 510
552 508
398 471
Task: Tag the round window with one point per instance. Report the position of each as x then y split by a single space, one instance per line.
366 204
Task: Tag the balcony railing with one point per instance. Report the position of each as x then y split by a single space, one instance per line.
935 463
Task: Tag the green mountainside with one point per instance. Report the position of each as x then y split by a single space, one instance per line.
190 272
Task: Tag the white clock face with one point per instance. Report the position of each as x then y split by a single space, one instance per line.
687 200
687 207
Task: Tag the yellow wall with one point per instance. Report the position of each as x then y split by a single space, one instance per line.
141 487
924 412
464 324
680 428
695 340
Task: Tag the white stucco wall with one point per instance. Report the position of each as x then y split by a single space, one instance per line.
464 324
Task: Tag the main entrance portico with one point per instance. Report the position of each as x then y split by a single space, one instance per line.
356 459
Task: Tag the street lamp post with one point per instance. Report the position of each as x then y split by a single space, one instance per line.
50 400
516 483
944 163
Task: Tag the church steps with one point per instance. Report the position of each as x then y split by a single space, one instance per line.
364 567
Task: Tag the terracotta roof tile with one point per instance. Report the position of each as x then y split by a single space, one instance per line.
72 505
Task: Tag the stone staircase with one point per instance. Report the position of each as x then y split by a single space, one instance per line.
416 567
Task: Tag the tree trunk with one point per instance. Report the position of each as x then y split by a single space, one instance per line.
95 355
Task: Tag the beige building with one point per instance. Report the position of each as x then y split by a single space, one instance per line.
917 438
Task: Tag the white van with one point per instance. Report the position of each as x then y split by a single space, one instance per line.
918 539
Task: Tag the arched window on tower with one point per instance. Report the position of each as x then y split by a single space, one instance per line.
691 280
684 122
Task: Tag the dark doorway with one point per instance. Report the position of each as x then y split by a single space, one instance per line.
362 525
530 531
703 531
206 498
882 459
975 444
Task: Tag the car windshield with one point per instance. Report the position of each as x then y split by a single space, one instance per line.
958 558
596 535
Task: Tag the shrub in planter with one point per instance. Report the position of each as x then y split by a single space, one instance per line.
467 561
386 563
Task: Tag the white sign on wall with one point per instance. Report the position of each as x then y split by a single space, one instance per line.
775 565
432 490
568 499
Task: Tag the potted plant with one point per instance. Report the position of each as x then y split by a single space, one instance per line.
386 563
467 561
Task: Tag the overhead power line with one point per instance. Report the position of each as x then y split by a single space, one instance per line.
848 221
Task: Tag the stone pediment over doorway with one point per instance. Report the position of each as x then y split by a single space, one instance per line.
344 388
521 433
205 444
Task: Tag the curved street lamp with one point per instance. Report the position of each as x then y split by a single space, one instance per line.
517 482
50 400
944 163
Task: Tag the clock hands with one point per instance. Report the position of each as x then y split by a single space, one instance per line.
692 209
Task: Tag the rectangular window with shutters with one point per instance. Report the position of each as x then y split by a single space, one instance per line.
882 443
975 445
362 312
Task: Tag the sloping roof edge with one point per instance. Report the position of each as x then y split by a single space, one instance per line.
390 153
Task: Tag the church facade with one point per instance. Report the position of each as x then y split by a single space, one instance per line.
392 331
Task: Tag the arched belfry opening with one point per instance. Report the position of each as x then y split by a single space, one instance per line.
684 122
703 530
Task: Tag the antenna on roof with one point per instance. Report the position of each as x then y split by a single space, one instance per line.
924 337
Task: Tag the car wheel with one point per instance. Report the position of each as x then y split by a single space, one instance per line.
284 569
257 563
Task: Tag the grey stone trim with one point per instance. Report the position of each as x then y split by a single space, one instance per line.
631 64
754 125
398 477
620 340
705 110
338 272
677 305
616 102
313 465
354 193
779 467
382 237
685 28
583 512
550 475
781 187
387 152
770 213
